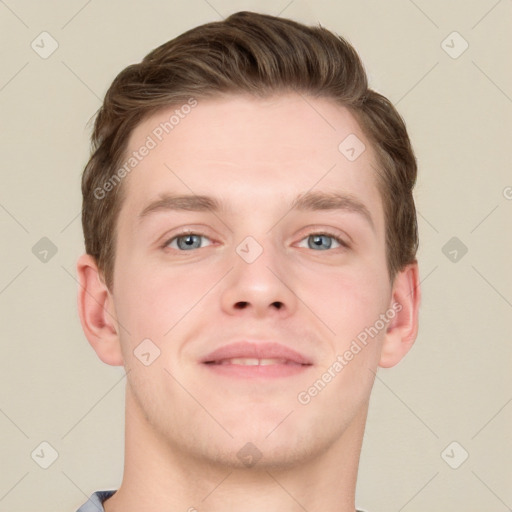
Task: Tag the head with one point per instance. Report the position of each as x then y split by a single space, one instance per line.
252 54
255 112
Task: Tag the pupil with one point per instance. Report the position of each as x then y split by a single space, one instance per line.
317 240
187 241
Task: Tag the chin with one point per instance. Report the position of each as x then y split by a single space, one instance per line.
259 455
262 445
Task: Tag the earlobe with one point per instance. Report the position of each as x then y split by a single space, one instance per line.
96 311
403 328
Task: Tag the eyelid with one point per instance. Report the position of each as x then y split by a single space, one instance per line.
167 239
332 235
344 239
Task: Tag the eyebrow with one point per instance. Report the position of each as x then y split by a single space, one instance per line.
309 201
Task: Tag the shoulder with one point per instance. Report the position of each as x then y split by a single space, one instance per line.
95 502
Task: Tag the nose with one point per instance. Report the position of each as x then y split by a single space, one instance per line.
259 288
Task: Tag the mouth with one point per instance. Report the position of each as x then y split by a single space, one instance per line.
254 359
247 361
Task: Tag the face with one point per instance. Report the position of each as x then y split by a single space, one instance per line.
260 268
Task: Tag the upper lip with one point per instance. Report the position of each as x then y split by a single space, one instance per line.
256 350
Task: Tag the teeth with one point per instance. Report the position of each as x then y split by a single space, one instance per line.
253 362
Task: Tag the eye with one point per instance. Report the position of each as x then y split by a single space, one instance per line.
323 241
189 240
185 241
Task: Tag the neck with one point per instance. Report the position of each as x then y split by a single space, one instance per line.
159 476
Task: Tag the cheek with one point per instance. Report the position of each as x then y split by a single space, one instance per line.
350 304
347 299
154 301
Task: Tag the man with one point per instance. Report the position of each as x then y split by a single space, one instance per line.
250 259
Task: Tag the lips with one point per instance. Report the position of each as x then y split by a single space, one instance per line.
256 354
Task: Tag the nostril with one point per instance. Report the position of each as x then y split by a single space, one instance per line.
244 304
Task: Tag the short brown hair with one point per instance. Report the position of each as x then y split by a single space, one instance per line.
261 55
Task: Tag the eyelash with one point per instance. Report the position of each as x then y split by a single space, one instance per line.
318 233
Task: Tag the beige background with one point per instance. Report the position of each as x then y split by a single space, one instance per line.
454 385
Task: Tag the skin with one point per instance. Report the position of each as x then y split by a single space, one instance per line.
185 424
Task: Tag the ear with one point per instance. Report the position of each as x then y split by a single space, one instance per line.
96 310
403 329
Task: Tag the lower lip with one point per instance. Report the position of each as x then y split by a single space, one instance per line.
251 371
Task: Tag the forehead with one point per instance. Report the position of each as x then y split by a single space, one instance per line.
240 147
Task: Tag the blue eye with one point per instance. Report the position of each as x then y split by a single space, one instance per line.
323 241
190 241
186 241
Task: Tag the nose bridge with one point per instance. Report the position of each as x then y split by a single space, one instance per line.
258 259
257 236
259 277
